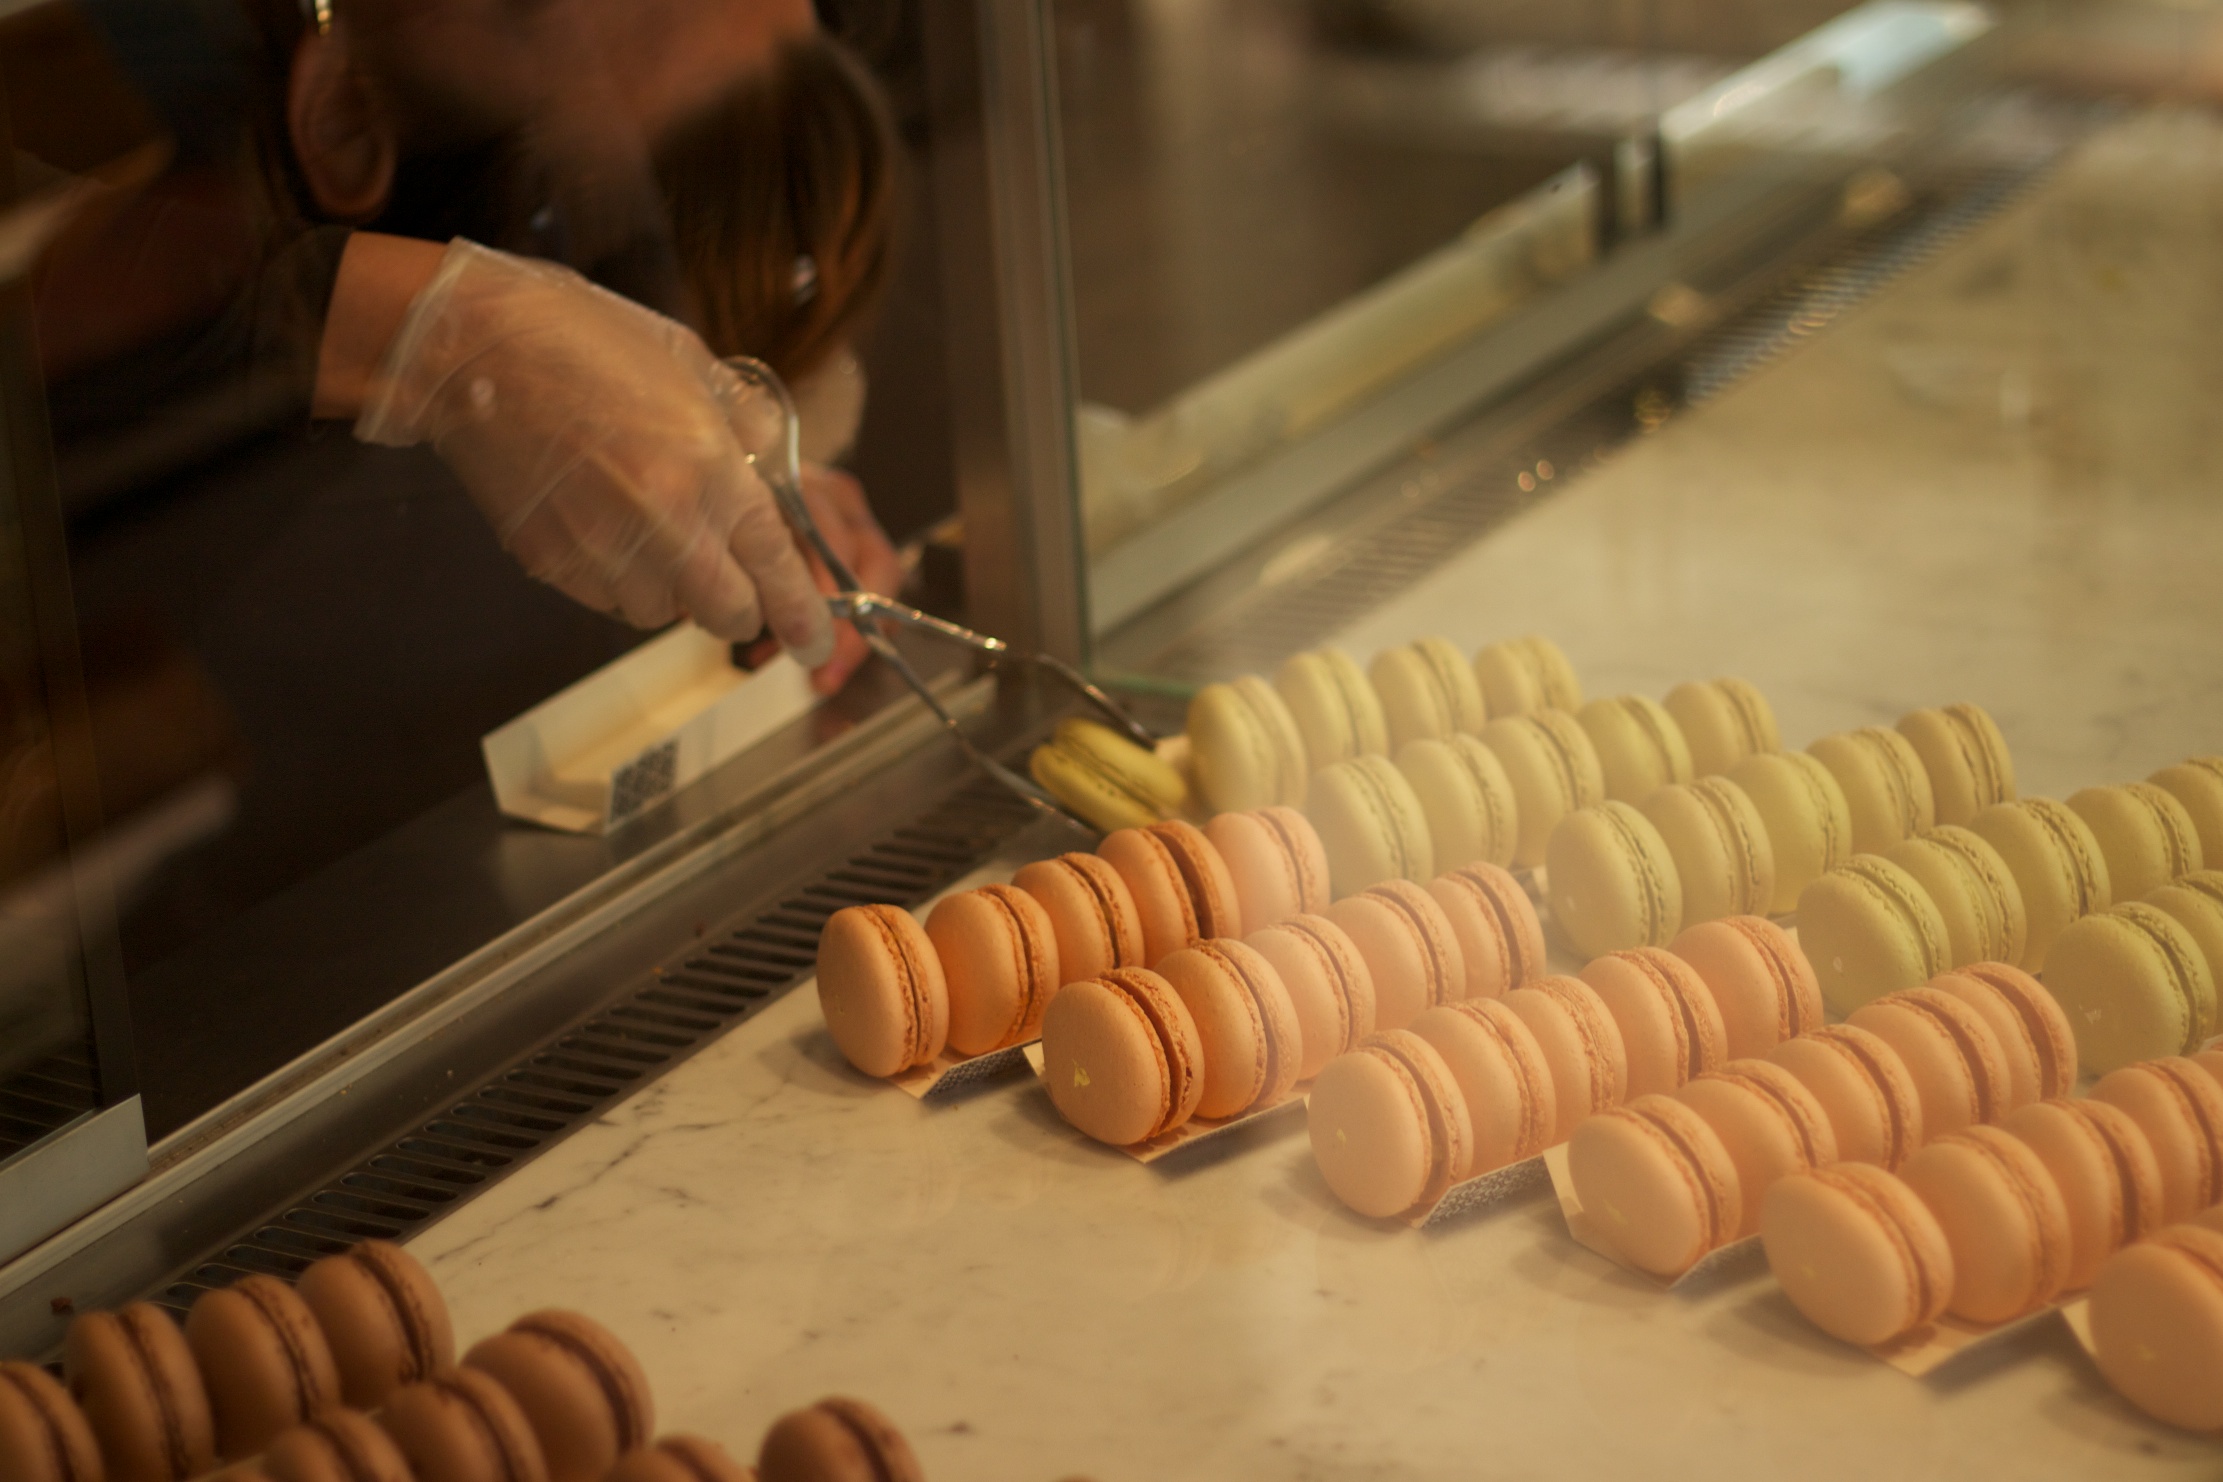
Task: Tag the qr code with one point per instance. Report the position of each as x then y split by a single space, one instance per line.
643 780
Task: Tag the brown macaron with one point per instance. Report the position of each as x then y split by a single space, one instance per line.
837 1440
1121 1057
1770 1123
680 1458
384 1318
337 1446
264 1359
1874 1109
1253 1043
463 1426
2032 1028
580 1388
1501 940
44 1437
2106 1171
2180 1109
1411 951
1092 914
1581 1044
1502 1076
1958 1068
998 948
1670 1025
133 1374
2003 1216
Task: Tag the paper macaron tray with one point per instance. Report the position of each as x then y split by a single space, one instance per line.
1189 1133
1739 1258
950 1073
1483 1191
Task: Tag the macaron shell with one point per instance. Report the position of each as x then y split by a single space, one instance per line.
1874 1110
2133 983
462 1426
1450 1128
881 989
2109 1180
1246 748
1371 825
1092 913
1857 1252
1720 846
1136 771
1466 798
1330 988
1769 1122
2197 783
1251 1038
44 1437
2038 1047
1974 892
1410 949
384 1318
132 1373
1555 674
1204 874
1553 769
680 1458
580 1388
1501 941
1613 884
1670 1027
1370 1134
1336 711
2056 863
1887 791
1760 979
1967 759
1723 721
837 1440
1275 858
1869 929
998 951
1081 787
1507 675
1959 1071
2002 1215
1803 810
2145 834
1656 1182
1581 1044
264 1359
2157 1326
1502 1076
1640 747
1121 1057
1161 897
337 1446
2196 904
2180 1109
1423 696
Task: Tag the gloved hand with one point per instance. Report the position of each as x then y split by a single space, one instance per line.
592 434
844 516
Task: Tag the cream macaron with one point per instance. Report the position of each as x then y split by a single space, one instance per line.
1612 883
1973 890
1371 824
1640 746
1472 812
1723 721
2134 984
1870 929
1720 846
1245 747
1428 692
1336 711
1522 676
1887 790
2197 783
1554 770
2057 865
1809 827
1965 756
2144 832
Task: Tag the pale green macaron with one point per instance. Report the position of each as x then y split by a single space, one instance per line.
2134 984
1428 692
1521 676
1724 721
1335 708
1371 825
1720 845
1870 928
2196 903
1554 770
1887 790
2056 863
1473 816
1245 747
1611 882
1106 778
1640 746
1974 891
2197 782
1809 826
2146 835
1967 758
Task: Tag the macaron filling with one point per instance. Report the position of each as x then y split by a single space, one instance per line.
1333 968
1706 1196
1107 910
1769 944
1983 1103
623 1404
1165 1040
409 1317
1926 1298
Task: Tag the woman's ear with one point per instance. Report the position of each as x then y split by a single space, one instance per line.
341 137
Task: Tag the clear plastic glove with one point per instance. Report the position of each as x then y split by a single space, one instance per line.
844 516
592 434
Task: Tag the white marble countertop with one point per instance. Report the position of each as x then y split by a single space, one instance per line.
1997 482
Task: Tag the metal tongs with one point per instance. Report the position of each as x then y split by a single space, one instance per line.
774 450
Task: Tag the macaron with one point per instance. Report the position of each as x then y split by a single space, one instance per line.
1857 1252
1656 1182
1612 882
1554 770
2144 833
1720 847
999 965
1106 778
1521 676
1973 890
837 1440
133 1375
1671 1028
1389 1129
44 1437
1640 747
2133 983
337 1446
2003 1216
2180 1109
2195 903
2106 1171
1411 950
1502 1077
1121 1056
1965 756
264 1359
1252 1040
1874 1110
1501 941
1335 708
2157 1326
2033 1032
2056 863
1760 979
1870 929
1466 798
1581 1044
1768 1121
680 1458
580 1388
1803 810
1428 692
1245 747
2197 782
1887 791
1092 913
1723 722
463 1426
881 988
383 1316
1329 986
1371 825
1959 1070
1181 887
1276 860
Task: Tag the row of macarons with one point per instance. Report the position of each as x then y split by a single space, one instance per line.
350 1375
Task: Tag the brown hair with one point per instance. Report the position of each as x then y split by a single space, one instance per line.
781 199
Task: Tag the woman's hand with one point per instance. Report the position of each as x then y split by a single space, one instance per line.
837 502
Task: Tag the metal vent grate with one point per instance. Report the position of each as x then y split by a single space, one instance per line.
43 1096
719 981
